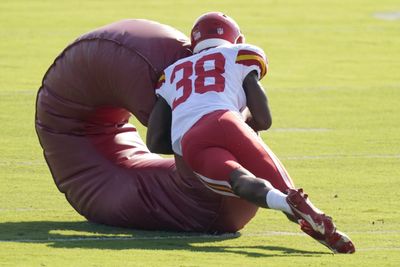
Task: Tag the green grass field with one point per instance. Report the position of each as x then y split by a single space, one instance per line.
334 89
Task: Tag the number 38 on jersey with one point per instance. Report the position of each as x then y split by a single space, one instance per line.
198 77
206 72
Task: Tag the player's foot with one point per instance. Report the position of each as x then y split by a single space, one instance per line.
304 210
316 224
338 242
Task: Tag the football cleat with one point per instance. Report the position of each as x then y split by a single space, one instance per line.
337 242
303 209
316 224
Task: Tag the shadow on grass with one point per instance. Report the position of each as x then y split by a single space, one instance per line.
94 236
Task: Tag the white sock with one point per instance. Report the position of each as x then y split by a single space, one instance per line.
277 200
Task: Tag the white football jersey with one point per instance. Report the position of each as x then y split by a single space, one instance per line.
208 81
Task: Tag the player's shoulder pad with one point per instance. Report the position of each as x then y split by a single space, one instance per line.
250 55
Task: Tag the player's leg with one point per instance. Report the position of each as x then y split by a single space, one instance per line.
205 150
213 163
258 191
219 170
258 159
252 153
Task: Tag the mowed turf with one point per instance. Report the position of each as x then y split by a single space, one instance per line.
334 89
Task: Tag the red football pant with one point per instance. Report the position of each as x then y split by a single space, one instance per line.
221 142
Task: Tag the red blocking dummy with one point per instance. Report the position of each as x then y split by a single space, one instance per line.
97 159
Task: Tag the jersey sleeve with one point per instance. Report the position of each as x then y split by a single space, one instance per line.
251 58
161 88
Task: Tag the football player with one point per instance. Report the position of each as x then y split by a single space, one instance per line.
209 108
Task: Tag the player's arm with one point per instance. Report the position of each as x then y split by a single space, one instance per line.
248 117
158 138
258 116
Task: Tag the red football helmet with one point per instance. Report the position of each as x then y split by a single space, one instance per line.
213 29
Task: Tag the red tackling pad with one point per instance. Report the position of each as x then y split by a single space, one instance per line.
97 159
